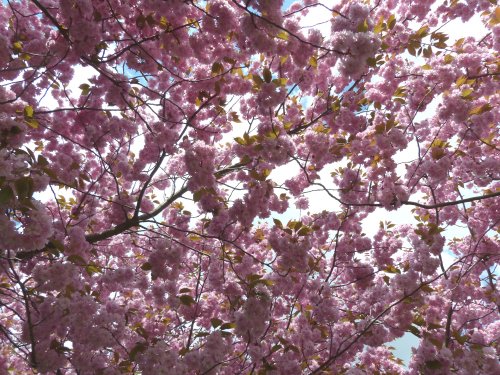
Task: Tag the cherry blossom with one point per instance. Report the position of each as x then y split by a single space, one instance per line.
224 187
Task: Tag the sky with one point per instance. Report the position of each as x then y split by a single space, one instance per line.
287 3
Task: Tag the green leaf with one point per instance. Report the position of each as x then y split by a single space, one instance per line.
282 35
363 26
146 266
391 22
266 282
49 172
217 68
419 320
371 61
16 130
253 277
480 109
215 322
164 24
426 288
92 268
139 347
32 123
436 342
313 61
275 348
140 21
461 339
280 82
448 59
17 47
150 20
186 299
27 203
28 112
268 76
198 194
85 87
392 269
240 141
433 364
141 331
414 330
304 231
42 161
379 27
24 187
460 81
268 366
257 80
234 117
202 334
228 326
6 195
278 223
422 32
76 259
427 52
230 60
434 326
55 247
217 88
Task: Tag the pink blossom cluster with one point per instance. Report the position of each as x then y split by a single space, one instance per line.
217 187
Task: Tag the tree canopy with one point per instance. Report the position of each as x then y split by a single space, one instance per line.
190 187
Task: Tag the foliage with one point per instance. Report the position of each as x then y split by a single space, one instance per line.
158 217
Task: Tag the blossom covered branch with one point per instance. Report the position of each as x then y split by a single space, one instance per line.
223 187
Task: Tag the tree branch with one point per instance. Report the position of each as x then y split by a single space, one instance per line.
451 203
134 221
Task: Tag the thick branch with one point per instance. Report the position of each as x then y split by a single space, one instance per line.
136 220
448 327
129 223
407 203
451 203
44 10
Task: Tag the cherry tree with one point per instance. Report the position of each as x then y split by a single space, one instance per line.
157 213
